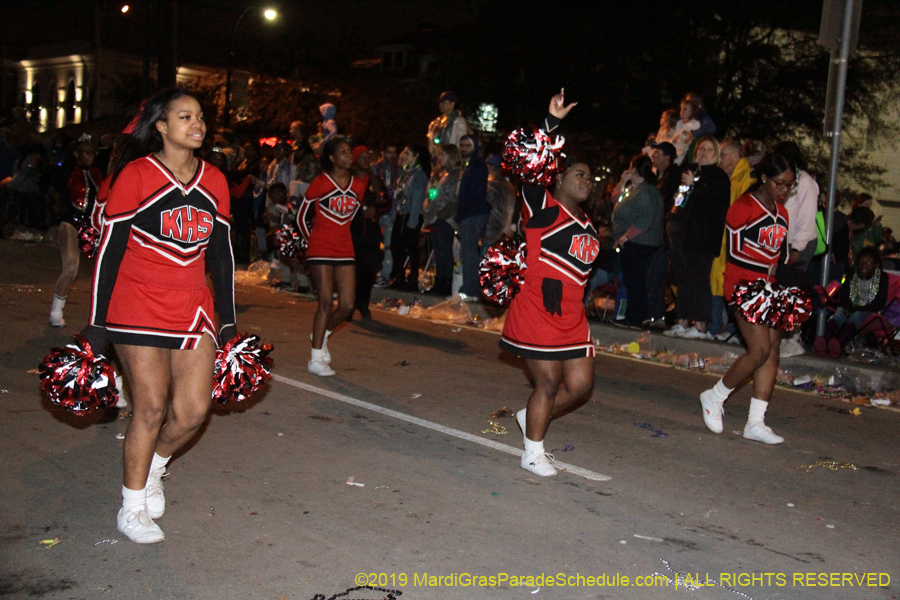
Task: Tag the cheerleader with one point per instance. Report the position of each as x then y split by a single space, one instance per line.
757 224
83 187
331 202
165 226
546 324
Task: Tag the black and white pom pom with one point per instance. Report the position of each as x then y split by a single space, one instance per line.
534 156
241 368
501 272
765 303
77 379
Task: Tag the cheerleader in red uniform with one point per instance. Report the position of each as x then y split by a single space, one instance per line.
330 202
757 225
83 187
546 324
165 225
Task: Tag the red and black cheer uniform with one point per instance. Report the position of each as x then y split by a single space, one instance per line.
83 185
754 240
159 238
546 319
329 239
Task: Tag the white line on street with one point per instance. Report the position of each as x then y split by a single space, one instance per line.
435 426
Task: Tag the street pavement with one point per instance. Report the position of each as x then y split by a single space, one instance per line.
259 506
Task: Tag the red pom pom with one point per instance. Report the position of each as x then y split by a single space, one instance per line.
770 304
77 379
501 273
534 156
290 243
88 236
241 368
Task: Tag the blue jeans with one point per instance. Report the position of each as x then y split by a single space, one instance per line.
857 317
387 226
471 231
442 244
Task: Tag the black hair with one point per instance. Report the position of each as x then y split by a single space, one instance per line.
644 167
328 149
569 162
387 145
146 139
862 216
791 151
871 251
572 160
422 158
774 164
278 187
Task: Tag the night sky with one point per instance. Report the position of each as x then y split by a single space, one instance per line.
624 61
354 28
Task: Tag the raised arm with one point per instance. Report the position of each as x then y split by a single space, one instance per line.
535 196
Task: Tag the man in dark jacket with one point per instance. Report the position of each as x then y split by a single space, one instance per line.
472 212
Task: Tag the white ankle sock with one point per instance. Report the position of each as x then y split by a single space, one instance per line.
132 499
757 410
58 303
534 447
158 461
318 355
721 391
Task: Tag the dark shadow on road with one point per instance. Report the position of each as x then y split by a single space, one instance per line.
381 330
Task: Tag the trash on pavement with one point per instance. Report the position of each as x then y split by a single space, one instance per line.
496 428
649 427
503 413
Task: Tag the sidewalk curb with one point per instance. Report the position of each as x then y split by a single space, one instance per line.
854 375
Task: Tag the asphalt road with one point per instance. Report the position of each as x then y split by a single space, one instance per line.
260 506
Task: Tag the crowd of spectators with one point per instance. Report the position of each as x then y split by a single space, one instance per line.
442 204
671 276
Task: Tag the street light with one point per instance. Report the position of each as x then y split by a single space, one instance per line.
270 14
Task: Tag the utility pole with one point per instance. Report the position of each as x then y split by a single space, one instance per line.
841 40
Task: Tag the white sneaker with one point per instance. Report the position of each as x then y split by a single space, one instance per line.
520 419
692 333
320 368
729 338
791 347
56 318
122 402
156 495
761 433
712 411
655 323
326 355
138 526
675 331
538 463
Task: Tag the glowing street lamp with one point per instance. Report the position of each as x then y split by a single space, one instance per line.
270 15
